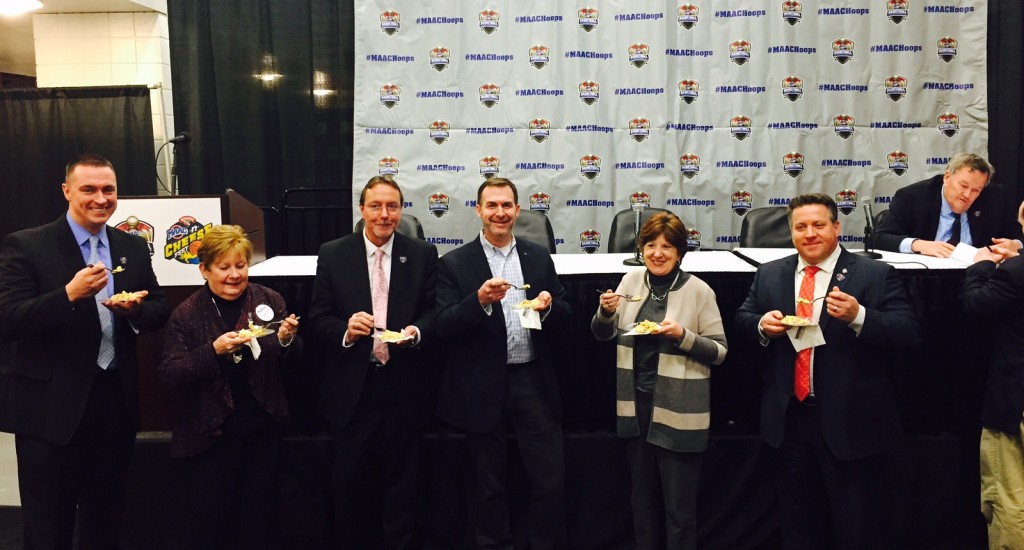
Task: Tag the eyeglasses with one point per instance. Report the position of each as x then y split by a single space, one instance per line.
376 207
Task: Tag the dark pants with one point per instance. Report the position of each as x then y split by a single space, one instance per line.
86 476
664 491
526 412
376 459
826 502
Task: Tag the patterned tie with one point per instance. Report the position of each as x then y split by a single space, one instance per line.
106 354
380 307
954 238
805 309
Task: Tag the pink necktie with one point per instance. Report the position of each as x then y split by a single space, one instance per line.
380 306
805 309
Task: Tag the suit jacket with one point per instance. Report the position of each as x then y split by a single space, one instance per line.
914 212
44 388
341 288
472 390
997 294
855 397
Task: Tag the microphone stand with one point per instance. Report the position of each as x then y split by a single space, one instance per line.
869 234
637 258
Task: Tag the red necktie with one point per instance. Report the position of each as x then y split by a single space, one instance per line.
805 309
380 307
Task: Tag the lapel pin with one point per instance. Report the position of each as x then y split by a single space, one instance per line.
401 259
123 260
842 275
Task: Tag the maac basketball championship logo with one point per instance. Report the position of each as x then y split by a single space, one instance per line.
896 87
692 239
590 241
949 124
489 20
946 48
842 50
899 162
639 199
739 52
792 11
639 54
590 92
540 129
389 95
688 16
739 126
437 204
588 18
390 22
184 238
793 163
439 131
897 10
846 201
490 94
742 201
489 166
792 87
540 202
689 90
590 166
844 125
639 129
540 55
439 58
689 165
132 225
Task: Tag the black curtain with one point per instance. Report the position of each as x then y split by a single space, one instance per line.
1005 97
41 129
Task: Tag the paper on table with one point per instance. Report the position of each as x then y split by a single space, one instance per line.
964 253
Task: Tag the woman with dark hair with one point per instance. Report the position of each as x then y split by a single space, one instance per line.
669 333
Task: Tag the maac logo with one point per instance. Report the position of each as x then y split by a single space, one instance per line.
689 165
842 50
390 95
689 90
590 92
540 202
846 200
184 238
437 204
899 162
489 166
896 87
639 199
947 48
490 94
489 21
897 10
792 87
132 225
740 127
387 166
390 22
590 166
949 124
590 240
540 129
739 51
742 201
639 129
844 125
439 131
793 163
439 58
588 18
692 239
792 11
688 16
539 56
639 54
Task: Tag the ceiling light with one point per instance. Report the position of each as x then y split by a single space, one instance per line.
11 8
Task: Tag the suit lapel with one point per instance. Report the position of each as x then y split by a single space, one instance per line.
69 258
478 262
400 276
360 277
529 268
845 266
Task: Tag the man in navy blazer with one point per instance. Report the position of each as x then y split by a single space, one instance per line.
921 217
831 440
499 376
75 419
377 406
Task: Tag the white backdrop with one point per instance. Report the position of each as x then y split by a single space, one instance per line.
436 129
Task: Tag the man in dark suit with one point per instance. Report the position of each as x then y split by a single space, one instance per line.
375 394
830 410
498 375
70 391
930 217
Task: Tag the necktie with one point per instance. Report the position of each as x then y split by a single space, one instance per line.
106 354
380 306
954 239
805 309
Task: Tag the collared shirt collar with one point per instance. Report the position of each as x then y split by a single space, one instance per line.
828 265
82 234
371 248
491 249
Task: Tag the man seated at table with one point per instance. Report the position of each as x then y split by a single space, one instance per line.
931 217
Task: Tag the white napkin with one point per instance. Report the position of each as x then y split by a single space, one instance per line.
530 319
806 337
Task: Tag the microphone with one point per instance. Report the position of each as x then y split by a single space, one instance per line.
869 230
182 138
638 207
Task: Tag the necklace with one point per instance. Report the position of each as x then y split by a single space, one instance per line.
655 297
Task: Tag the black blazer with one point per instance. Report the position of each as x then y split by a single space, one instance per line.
472 390
45 386
914 212
341 288
998 294
851 379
